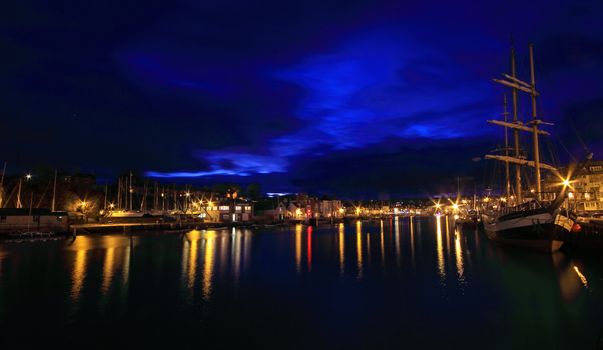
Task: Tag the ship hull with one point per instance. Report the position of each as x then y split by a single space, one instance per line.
541 231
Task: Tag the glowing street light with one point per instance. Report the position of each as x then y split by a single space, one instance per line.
28 176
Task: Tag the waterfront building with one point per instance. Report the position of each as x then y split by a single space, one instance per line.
15 220
587 189
235 211
328 208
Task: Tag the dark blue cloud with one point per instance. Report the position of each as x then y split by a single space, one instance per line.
288 94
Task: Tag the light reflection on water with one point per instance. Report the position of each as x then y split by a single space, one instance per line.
341 245
359 248
397 263
440 248
458 249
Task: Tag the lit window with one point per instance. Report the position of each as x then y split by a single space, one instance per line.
238 208
224 207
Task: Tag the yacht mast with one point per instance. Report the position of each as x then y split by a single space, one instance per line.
2 185
19 205
54 191
131 190
119 192
106 193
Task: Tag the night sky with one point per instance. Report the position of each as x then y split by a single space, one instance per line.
355 98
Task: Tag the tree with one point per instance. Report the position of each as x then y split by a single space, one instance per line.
254 191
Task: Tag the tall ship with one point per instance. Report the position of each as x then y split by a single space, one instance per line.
530 219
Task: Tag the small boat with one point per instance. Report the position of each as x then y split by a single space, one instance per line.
125 214
30 234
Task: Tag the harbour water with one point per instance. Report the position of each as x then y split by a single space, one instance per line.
396 283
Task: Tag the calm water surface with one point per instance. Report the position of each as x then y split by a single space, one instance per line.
383 284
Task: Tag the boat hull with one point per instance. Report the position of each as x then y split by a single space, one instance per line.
543 231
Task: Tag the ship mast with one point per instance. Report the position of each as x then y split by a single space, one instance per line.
516 132
535 122
532 127
507 180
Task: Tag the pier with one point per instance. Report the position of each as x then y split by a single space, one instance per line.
127 227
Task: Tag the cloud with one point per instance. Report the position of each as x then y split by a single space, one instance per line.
370 88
